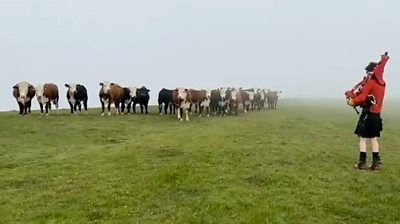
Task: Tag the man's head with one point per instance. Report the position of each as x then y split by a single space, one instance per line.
370 67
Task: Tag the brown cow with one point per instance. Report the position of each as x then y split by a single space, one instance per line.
181 102
23 92
201 100
110 93
46 94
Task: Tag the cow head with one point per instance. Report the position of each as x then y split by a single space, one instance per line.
72 88
40 92
144 92
106 87
133 92
208 94
182 94
23 89
223 92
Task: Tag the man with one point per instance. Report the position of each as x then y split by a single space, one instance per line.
370 98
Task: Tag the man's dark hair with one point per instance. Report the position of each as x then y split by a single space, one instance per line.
370 67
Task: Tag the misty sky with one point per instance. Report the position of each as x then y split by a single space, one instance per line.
304 48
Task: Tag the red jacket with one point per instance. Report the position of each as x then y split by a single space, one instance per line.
371 87
374 86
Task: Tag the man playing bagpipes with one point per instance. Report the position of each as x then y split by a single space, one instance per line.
368 94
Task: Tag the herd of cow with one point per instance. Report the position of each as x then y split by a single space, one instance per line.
221 101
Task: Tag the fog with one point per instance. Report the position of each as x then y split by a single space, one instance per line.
305 48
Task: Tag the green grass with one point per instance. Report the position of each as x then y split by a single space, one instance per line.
293 165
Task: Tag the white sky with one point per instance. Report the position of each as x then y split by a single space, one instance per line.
305 48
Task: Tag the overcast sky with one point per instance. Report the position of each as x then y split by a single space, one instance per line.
304 48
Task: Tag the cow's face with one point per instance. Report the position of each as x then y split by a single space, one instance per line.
144 91
23 89
233 95
71 88
251 95
182 93
40 92
208 93
223 93
133 92
106 87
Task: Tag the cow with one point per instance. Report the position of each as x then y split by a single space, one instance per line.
272 98
181 102
143 98
23 92
46 94
110 93
129 97
245 100
196 97
235 99
165 97
225 94
205 104
215 100
76 93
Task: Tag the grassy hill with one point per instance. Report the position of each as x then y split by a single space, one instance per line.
292 165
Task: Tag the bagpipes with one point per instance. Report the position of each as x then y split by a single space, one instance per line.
357 89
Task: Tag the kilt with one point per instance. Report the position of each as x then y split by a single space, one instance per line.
369 125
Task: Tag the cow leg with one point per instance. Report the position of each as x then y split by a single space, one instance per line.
187 114
117 107
134 108
79 106
102 107
85 104
28 106
109 108
195 108
179 114
21 108
141 108
71 107
47 107
122 108
145 108
128 107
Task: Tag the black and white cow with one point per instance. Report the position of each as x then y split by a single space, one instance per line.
128 97
76 94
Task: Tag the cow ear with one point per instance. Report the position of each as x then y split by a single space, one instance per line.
186 90
176 89
66 85
111 84
15 87
148 90
102 84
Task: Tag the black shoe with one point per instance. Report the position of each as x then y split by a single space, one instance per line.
361 166
375 167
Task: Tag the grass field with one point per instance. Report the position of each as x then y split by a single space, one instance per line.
292 165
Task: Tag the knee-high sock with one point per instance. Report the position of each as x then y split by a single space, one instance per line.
375 144
363 144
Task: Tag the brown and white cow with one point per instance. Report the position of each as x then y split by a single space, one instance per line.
46 94
201 100
110 93
235 101
181 102
23 92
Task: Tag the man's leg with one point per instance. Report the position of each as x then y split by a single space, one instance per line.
376 160
362 161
